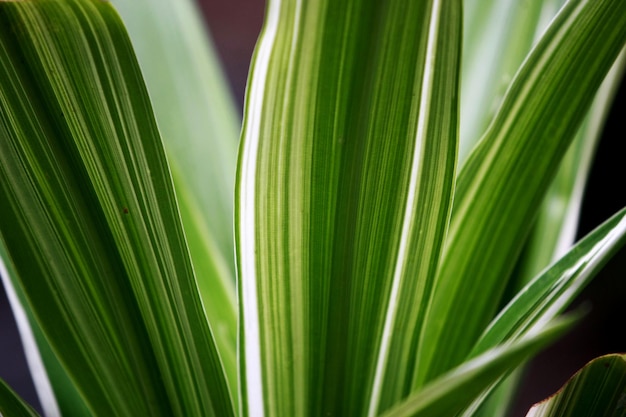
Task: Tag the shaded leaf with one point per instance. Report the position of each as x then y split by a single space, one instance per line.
598 389
11 405
57 394
552 291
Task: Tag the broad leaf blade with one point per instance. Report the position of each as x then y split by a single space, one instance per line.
344 187
501 185
599 389
450 392
90 218
192 104
200 130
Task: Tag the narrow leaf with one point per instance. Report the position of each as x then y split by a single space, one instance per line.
501 186
193 106
11 405
599 389
552 291
450 392
556 224
558 217
55 390
498 34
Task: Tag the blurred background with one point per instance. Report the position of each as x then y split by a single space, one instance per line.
234 26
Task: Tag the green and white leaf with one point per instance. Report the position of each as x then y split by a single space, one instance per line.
90 220
556 225
500 187
497 36
344 188
552 291
455 389
29 336
599 389
200 129
56 392
345 182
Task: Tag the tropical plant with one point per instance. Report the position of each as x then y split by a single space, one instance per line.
372 248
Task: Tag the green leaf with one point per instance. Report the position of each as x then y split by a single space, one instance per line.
552 291
193 106
498 34
11 405
555 227
344 188
200 129
501 186
599 389
556 224
56 392
451 391
90 219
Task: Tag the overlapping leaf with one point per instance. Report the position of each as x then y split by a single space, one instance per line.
552 291
599 389
503 181
558 218
90 218
497 36
450 392
56 392
12 405
200 130
493 50
345 182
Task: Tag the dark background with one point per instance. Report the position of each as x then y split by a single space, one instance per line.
234 26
